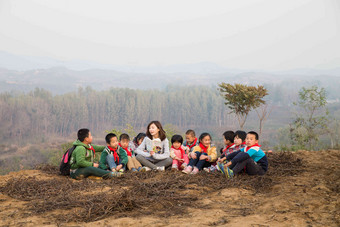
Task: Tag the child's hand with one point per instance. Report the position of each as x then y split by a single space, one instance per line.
152 153
119 167
113 170
193 155
228 164
203 157
95 165
219 160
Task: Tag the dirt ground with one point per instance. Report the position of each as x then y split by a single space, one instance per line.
299 189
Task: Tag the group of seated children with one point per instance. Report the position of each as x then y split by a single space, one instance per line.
151 151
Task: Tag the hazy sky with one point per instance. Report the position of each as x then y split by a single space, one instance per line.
246 34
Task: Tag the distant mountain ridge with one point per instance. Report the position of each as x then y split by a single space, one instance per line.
24 63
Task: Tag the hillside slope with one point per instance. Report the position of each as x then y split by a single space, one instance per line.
300 189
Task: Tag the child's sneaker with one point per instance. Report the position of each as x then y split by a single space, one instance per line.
112 174
187 170
139 169
145 169
220 167
210 169
195 171
134 170
184 165
174 166
160 168
228 172
121 171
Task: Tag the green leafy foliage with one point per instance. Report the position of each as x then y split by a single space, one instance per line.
241 99
311 119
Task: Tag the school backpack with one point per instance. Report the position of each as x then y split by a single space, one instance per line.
65 165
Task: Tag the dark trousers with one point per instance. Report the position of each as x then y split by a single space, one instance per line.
252 168
88 171
197 162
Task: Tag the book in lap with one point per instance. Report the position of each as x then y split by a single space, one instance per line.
154 145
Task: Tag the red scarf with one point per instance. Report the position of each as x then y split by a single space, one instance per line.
181 149
193 144
255 145
228 147
115 155
127 150
90 148
204 149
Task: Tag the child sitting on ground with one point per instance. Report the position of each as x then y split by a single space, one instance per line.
179 153
202 155
238 143
82 159
228 139
112 158
250 157
132 164
191 140
234 142
136 141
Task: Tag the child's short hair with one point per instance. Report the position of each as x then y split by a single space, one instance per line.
255 134
229 135
124 136
82 134
190 132
138 137
109 136
241 134
177 138
204 134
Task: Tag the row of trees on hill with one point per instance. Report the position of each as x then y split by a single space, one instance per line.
40 113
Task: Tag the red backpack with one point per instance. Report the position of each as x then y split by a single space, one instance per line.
65 165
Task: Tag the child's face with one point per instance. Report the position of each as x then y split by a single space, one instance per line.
237 141
176 145
88 140
251 140
190 139
140 141
226 142
124 143
206 141
113 142
153 130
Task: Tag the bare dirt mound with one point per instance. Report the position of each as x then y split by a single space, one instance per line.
299 189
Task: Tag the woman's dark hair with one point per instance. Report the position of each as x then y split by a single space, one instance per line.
140 135
241 134
177 138
162 135
109 136
82 134
204 134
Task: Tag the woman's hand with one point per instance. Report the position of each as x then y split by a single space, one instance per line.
152 153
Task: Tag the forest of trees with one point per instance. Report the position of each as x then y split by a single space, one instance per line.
38 113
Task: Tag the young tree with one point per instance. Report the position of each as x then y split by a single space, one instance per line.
263 113
241 99
311 122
